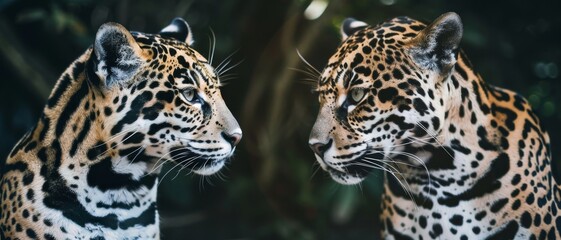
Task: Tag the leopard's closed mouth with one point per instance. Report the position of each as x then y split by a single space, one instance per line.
360 166
191 160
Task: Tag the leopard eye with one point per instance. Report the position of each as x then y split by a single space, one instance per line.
190 95
356 95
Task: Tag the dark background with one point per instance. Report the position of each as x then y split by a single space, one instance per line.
272 189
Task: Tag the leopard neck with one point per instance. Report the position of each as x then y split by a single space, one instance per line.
89 177
461 155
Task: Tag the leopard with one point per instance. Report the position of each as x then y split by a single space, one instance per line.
461 158
89 168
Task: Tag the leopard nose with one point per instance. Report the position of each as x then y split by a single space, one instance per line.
320 148
232 138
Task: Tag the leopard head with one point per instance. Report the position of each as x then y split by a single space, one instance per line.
162 98
381 90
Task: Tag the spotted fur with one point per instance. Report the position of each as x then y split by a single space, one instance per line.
463 159
89 168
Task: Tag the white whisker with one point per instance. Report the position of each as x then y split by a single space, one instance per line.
395 172
156 166
225 69
176 165
137 151
185 166
317 168
113 138
308 74
308 64
435 139
212 46
117 144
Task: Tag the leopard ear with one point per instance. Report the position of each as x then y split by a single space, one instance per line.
117 53
179 30
436 46
350 26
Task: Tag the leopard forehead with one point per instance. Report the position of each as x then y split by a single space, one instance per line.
371 53
178 59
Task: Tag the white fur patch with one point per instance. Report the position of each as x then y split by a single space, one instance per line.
170 28
348 180
215 167
357 24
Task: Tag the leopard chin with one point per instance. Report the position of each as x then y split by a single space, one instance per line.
209 169
346 178
353 174
197 163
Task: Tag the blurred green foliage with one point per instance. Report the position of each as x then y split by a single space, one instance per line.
273 188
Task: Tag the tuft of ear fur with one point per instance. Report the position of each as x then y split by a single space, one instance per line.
436 46
117 53
179 30
350 26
